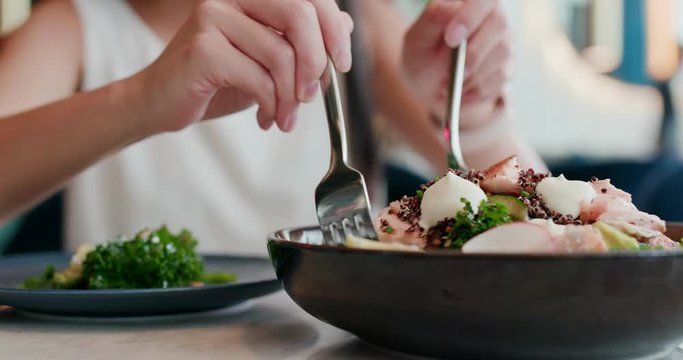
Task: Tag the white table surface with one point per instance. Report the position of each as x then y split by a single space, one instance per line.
271 327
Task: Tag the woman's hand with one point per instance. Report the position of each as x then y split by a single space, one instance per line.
230 54
427 53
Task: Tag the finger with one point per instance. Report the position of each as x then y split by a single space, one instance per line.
492 87
428 30
335 32
348 21
230 68
270 50
482 42
497 60
298 21
467 20
264 122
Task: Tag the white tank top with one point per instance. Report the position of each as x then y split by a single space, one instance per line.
225 180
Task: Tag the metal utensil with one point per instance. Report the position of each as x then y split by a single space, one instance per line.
452 124
341 198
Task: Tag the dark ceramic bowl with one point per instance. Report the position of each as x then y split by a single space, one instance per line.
597 306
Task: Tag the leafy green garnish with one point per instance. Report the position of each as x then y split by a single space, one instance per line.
42 281
419 194
645 247
156 259
152 259
525 194
389 230
452 163
468 225
52 279
217 278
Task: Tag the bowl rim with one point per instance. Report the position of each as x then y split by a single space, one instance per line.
279 237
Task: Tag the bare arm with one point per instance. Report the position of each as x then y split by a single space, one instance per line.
212 67
41 149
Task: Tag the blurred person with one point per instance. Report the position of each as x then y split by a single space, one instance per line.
132 69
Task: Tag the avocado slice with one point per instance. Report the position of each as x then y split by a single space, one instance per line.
615 238
517 209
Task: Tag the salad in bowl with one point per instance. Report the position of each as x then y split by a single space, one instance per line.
506 209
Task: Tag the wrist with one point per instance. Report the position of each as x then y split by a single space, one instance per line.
137 116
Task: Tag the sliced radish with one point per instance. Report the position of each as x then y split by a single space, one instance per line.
514 238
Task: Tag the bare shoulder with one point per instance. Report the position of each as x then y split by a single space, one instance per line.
47 50
53 25
51 18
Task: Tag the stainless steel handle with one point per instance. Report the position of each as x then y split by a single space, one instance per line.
335 116
452 123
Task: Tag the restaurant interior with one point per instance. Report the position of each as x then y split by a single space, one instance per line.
595 88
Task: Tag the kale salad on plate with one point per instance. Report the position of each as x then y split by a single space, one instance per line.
151 259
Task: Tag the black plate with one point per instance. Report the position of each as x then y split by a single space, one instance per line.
597 306
255 278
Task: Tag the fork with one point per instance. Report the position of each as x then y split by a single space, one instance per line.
451 129
341 198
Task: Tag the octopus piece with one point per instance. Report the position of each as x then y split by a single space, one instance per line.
605 188
590 212
614 205
391 229
573 238
644 235
582 238
634 217
663 241
502 177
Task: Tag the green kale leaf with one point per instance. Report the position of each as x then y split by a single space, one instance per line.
153 259
467 224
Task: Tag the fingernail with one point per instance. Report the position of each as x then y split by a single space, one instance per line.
263 120
289 123
260 119
310 91
455 34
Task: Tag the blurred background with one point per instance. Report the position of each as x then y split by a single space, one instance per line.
596 89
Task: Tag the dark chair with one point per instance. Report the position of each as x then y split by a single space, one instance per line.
41 230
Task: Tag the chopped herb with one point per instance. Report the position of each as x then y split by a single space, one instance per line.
525 194
468 225
42 281
389 230
419 194
452 163
648 247
217 278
